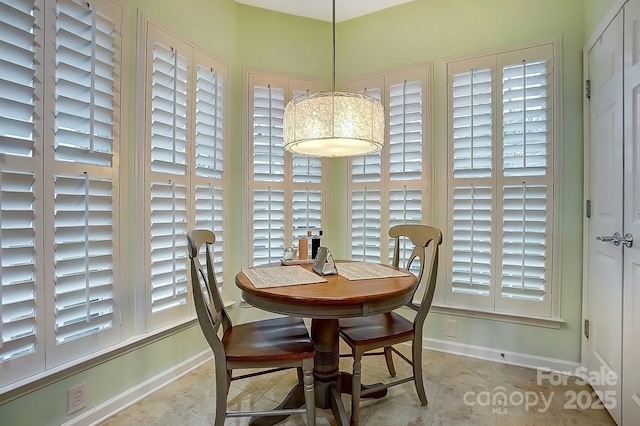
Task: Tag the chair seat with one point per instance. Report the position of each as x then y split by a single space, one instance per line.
376 328
277 339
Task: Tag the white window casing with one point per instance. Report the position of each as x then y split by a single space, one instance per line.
59 182
392 186
501 181
185 159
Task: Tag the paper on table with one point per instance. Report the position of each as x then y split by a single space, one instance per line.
366 270
281 276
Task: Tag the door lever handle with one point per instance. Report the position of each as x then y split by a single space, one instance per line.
607 239
627 240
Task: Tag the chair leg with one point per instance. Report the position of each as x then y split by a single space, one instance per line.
417 372
309 391
222 390
356 379
388 356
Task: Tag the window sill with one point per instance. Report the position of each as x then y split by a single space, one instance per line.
554 323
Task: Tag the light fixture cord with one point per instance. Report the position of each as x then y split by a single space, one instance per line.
333 75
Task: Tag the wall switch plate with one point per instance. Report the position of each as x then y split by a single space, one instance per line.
452 328
76 398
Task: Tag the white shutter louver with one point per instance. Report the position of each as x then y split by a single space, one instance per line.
86 76
18 265
85 73
365 225
83 256
168 245
367 168
472 124
524 242
405 206
18 254
17 78
169 110
209 208
209 138
524 92
268 226
405 131
472 223
306 211
268 147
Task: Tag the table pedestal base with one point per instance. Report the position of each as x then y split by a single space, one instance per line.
330 382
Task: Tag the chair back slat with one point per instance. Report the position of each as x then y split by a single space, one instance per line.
422 237
206 296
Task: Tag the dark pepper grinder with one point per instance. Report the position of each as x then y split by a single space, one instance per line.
315 244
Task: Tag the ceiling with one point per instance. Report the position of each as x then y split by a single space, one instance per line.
321 9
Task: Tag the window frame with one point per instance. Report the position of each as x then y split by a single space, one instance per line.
383 81
443 303
150 321
290 83
49 356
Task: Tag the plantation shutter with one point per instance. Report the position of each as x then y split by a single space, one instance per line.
472 124
268 147
527 183
209 208
524 242
406 168
286 190
405 131
389 187
210 157
168 179
268 166
502 183
366 197
366 219
268 225
405 206
19 180
83 258
87 58
472 233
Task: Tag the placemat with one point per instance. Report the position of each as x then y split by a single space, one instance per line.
281 276
366 271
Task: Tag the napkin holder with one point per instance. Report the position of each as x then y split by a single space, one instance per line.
323 263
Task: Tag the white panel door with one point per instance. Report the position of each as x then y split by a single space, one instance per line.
631 290
602 349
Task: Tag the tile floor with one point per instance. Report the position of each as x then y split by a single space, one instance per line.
461 391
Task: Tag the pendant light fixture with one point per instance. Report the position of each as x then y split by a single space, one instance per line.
333 124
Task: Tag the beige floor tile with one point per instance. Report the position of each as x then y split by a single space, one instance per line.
461 391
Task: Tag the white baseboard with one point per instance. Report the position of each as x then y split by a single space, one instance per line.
502 356
124 400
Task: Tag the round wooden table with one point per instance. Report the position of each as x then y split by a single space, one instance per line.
325 303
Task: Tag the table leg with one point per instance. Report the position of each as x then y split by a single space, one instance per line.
330 383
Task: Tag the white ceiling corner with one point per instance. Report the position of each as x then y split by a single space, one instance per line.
321 9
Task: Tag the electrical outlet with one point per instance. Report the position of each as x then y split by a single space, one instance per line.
452 328
76 398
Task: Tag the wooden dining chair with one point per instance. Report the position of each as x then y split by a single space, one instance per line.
382 331
273 344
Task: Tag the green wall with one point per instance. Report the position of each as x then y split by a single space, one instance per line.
423 30
595 11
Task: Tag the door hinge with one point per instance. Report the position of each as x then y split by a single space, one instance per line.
587 89
587 209
586 328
